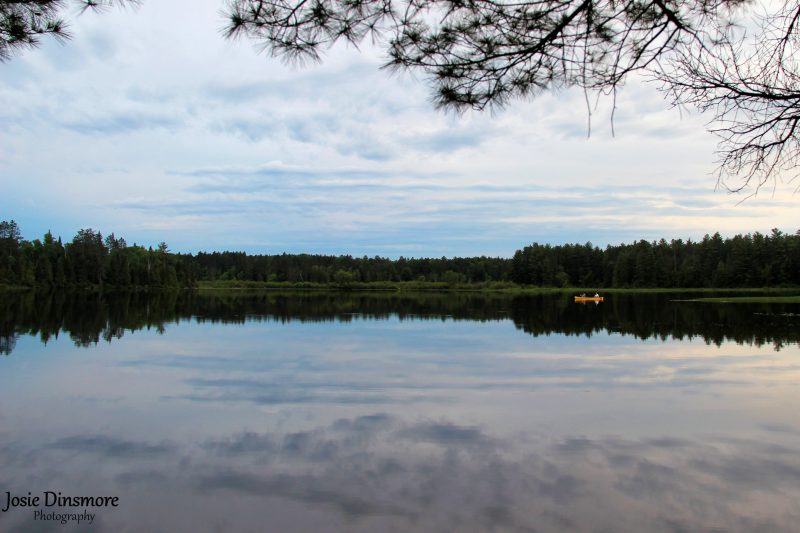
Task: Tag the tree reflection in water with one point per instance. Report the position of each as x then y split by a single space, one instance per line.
88 317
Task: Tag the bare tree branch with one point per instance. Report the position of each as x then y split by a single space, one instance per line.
480 53
751 85
483 53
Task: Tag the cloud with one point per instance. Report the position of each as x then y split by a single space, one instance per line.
386 209
269 392
363 424
654 479
445 434
112 447
145 478
243 443
302 488
180 143
409 473
119 123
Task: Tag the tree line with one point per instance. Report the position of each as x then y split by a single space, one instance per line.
751 260
89 260
346 269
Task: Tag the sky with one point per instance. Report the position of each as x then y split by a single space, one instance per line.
151 125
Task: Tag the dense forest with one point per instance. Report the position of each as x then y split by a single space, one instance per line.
752 260
88 261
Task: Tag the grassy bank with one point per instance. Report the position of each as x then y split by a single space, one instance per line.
495 286
795 299
12 288
760 294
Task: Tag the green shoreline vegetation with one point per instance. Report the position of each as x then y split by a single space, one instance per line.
90 261
489 287
772 299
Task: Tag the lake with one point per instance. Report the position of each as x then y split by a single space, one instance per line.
238 411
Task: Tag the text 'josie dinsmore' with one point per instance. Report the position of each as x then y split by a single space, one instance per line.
55 499
51 499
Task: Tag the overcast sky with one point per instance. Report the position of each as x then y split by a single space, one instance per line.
149 124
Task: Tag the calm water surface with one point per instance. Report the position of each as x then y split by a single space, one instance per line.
359 412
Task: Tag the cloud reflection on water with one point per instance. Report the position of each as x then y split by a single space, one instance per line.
111 447
444 475
391 424
382 471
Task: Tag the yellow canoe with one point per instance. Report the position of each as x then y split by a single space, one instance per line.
588 298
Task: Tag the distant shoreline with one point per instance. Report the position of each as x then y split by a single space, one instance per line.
753 261
503 287
422 286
